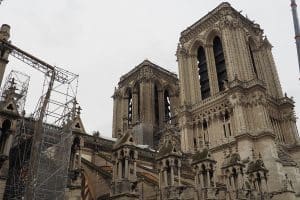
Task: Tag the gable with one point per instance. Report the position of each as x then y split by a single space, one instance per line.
10 107
222 15
77 125
147 70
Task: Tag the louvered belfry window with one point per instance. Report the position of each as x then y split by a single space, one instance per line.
220 63
203 73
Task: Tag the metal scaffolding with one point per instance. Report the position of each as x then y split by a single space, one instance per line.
21 82
17 82
50 142
50 160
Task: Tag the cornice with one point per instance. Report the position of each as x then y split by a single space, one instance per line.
226 15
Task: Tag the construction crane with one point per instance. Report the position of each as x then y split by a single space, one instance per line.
56 77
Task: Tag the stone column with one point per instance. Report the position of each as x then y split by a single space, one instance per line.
79 158
194 84
120 168
114 171
179 176
244 55
172 175
239 118
159 179
161 107
126 168
185 96
8 145
135 113
211 67
134 169
165 178
202 179
278 89
208 179
4 35
232 183
230 54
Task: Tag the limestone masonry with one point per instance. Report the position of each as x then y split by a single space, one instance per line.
222 130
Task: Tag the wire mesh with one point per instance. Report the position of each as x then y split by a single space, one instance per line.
50 171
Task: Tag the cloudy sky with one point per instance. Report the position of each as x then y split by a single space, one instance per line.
103 39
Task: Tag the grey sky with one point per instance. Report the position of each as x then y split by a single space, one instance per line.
102 39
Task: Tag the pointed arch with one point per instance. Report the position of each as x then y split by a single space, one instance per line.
167 106
220 62
156 105
128 96
203 73
251 48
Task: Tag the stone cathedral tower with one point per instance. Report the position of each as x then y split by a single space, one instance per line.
230 94
145 101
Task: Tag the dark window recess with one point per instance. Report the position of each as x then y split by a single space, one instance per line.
224 129
220 63
139 102
156 106
130 108
205 125
167 106
10 107
203 73
253 61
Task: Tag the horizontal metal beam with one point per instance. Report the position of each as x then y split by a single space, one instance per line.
61 75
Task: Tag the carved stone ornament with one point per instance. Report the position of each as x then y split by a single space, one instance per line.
146 73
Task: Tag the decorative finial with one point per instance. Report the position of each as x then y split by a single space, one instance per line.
253 154
79 110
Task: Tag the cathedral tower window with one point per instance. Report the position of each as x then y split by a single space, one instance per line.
156 105
203 73
226 124
139 102
167 104
220 62
252 60
205 127
130 106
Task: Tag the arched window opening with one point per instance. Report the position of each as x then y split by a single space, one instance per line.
156 105
6 125
203 73
139 102
130 102
195 144
168 169
123 167
252 60
75 146
224 129
220 63
204 128
131 154
226 124
205 125
167 104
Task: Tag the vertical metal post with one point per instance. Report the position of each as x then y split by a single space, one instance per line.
296 27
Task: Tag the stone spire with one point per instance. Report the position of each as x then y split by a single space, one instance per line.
296 27
258 177
124 156
205 179
233 171
169 158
